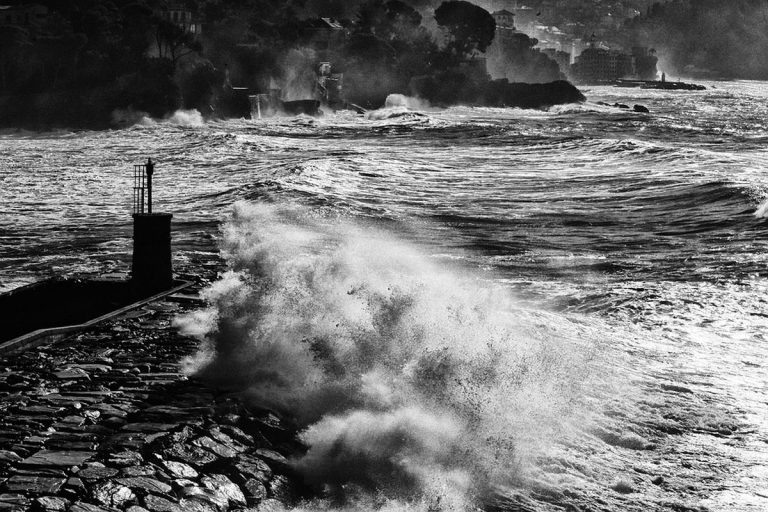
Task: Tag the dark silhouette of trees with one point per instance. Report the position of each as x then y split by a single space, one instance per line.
14 42
516 59
471 28
173 42
96 56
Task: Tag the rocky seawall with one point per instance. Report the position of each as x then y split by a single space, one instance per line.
107 421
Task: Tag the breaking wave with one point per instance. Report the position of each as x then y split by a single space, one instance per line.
122 118
415 382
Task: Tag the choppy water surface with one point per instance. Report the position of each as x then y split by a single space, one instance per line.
630 250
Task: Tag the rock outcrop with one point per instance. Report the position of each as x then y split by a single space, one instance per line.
459 89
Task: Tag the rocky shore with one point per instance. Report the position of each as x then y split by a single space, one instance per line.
106 421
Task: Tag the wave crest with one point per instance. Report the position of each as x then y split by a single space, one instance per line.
410 378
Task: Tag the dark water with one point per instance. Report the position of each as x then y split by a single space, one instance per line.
628 249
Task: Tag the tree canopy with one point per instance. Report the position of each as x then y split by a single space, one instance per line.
470 27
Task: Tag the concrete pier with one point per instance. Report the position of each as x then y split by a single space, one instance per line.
152 268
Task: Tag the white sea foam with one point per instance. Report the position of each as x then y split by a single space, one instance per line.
186 118
413 380
129 117
409 102
762 210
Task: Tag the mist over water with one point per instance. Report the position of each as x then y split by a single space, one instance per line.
523 309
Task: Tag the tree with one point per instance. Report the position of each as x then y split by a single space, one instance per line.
173 42
391 20
471 28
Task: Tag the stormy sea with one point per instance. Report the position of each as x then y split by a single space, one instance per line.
462 308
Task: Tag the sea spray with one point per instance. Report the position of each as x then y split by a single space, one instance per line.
186 118
129 117
412 381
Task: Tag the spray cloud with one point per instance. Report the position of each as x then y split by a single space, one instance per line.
412 381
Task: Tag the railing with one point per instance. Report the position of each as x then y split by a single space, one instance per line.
139 186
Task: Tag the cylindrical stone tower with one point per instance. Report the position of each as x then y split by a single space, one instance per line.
151 268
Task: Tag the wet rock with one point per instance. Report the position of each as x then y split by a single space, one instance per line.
87 507
220 437
223 488
126 458
658 480
251 467
114 422
641 108
149 427
192 455
149 485
51 504
112 494
214 447
49 472
179 469
9 456
234 433
133 471
254 490
47 458
34 484
96 368
96 473
69 400
108 411
69 423
197 505
202 495
13 502
127 441
276 461
40 410
71 374
76 484
157 504
91 414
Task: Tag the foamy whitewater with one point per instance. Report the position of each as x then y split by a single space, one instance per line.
463 309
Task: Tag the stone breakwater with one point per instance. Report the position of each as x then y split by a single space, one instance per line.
105 421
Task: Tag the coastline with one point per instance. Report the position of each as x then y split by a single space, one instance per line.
88 110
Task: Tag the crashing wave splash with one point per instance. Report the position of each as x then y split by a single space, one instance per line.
418 387
130 117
